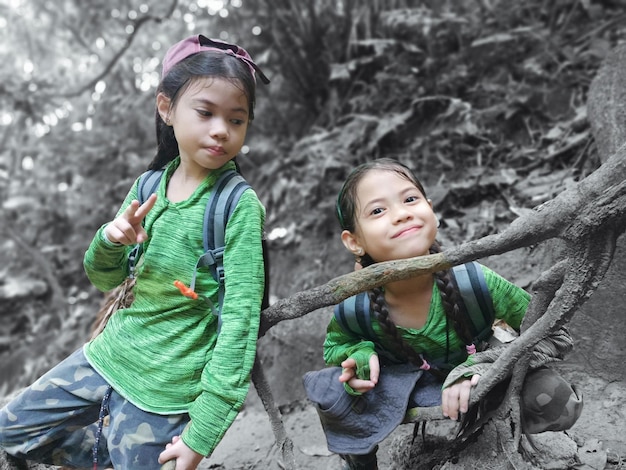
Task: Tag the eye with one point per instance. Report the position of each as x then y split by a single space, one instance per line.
412 199
204 113
237 122
377 210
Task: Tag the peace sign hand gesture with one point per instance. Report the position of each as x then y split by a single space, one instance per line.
126 229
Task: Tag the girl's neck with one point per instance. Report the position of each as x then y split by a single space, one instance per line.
408 287
183 183
409 301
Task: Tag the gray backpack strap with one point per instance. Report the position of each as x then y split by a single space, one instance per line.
470 280
148 184
354 316
222 202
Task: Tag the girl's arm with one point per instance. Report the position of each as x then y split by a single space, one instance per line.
357 357
105 262
339 346
509 300
225 379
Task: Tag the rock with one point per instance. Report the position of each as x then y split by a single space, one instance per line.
555 450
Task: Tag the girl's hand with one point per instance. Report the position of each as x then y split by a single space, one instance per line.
455 398
126 229
186 459
360 385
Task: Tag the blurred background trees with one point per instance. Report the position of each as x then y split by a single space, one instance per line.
484 98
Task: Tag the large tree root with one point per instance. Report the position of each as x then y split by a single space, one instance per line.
588 217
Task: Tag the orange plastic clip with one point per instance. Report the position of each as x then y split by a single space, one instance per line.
186 291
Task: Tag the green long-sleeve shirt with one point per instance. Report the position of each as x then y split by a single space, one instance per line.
163 353
510 303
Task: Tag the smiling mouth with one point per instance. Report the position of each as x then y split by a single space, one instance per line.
413 228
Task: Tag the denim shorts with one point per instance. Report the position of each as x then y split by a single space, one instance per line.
59 418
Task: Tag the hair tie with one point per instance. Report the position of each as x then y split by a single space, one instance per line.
471 348
198 43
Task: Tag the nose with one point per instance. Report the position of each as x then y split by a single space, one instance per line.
401 213
219 128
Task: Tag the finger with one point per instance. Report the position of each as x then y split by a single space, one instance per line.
361 386
464 396
450 402
349 363
346 375
130 211
475 379
165 456
146 207
142 235
120 231
374 368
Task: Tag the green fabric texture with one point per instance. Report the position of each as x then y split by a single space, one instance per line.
510 303
163 353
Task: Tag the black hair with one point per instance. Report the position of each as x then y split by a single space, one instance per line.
346 213
182 75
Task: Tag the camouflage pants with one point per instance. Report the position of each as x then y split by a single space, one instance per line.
55 421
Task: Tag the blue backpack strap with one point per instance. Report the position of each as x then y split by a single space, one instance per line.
477 301
148 184
222 202
354 316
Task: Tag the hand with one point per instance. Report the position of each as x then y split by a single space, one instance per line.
360 385
185 458
126 229
455 398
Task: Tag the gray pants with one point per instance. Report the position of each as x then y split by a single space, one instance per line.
59 420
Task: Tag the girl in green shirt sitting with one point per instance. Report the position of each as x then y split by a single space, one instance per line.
419 328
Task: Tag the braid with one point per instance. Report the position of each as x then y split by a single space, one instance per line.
449 299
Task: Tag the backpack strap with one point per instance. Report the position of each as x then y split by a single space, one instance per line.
148 184
354 316
221 204
476 299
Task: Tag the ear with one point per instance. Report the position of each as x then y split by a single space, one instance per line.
164 107
351 242
430 202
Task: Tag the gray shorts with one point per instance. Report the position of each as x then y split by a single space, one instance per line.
57 420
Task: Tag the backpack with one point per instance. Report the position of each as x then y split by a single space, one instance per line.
354 314
221 203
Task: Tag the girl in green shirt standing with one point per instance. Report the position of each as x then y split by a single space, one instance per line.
420 331
169 383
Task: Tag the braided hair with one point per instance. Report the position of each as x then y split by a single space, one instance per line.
346 213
